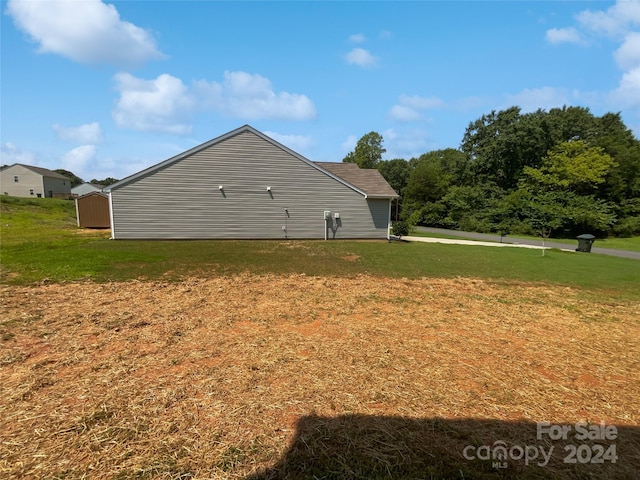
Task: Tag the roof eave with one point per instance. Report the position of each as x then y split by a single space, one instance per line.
382 197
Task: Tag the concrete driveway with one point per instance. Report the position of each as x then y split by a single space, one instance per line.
496 241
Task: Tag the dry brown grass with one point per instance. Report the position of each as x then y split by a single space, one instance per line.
210 378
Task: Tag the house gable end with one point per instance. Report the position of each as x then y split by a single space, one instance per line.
219 140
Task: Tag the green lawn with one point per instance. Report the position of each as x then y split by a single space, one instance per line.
40 241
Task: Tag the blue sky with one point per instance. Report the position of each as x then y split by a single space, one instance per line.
109 88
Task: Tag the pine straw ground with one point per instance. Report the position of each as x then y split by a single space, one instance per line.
295 376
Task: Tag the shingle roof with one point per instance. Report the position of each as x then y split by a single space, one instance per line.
368 180
42 171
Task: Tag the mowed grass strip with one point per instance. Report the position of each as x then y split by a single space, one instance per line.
41 242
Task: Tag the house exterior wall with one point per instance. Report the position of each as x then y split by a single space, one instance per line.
183 200
92 211
56 187
32 184
29 183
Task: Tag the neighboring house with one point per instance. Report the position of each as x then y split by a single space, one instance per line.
85 188
245 185
20 180
92 210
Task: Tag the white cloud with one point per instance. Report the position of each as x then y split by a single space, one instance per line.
87 31
628 92
357 38
620 22
565 35
87 133
250 96
472 103
409 108
155 105
78 159
166 103
628 55
615 22
421 103
297 143
10 154
407 144
349 143
362 58
402 113
530 100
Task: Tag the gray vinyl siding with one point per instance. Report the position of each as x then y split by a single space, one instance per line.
56 187
182 200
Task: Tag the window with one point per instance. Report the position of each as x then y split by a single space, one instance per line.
15 178
31 191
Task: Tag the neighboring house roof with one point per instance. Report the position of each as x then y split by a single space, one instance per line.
41 171
368 180
87 184
373 180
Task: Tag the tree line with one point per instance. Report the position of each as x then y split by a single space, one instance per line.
76 180
557 173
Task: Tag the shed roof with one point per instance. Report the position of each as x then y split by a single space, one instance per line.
368 180
92 194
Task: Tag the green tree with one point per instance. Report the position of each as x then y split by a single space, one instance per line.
500 144
428 182
472 207
396 172
107 181
432 175
368 151
560 196
618 141
573 166
569 123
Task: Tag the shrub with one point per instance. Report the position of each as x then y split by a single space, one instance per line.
627 227
400 228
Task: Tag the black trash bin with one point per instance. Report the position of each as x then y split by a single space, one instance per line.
584 242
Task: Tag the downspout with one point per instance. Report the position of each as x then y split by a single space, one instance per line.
389 222
325 228
113 226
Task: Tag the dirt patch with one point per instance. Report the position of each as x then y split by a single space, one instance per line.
94 232
209 377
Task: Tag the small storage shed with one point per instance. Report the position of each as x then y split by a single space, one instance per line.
92 210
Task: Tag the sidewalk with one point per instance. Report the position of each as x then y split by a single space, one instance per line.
497 241
473 242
